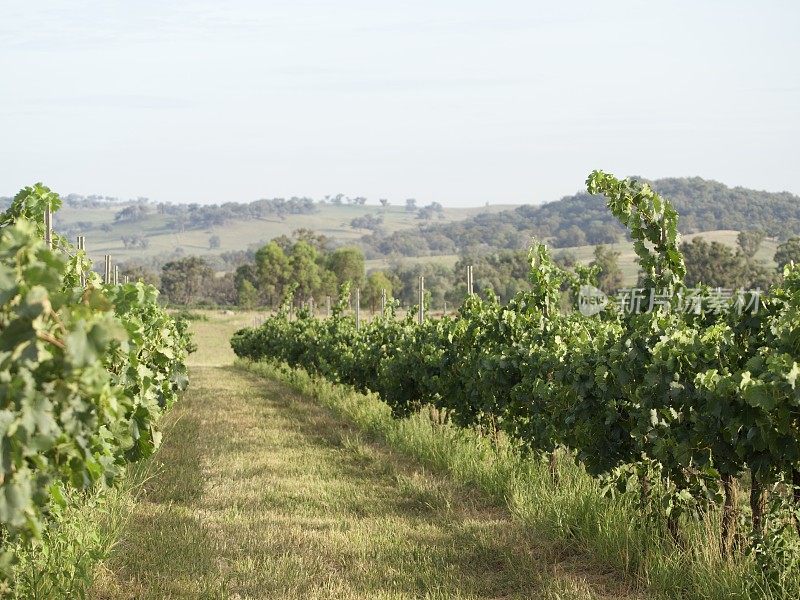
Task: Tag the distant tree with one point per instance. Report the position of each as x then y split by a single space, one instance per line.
753 273
186 280
178 222
284 242
370 222
610 278
247 294
384 203
213 242
271 272
428 212
132 214
377 282
411 204
570 237
788 251
348 265
565 259
601 233
135 241
319 240
713 264
137 272
360 200
304 269
749 242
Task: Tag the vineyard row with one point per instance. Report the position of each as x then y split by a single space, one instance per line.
681 408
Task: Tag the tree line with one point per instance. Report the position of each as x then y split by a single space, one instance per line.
309 264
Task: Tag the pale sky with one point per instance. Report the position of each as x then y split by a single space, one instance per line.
459 102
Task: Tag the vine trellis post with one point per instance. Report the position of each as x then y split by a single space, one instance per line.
48 227
421 299
82 248
358 308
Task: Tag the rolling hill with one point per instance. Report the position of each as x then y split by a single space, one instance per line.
151 234
583 220
158 233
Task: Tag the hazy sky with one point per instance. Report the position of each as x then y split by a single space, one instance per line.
457 101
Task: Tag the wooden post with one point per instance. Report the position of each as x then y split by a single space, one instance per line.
327 306
383 302
421 299
116 274
48 228
127 279
358 308
469 280
445 307
107 274
82 248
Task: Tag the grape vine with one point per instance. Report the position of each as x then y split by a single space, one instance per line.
85 371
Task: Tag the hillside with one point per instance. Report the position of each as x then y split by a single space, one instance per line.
150 233
582 219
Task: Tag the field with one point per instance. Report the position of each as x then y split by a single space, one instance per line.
330 220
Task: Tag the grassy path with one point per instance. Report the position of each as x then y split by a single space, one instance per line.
258 492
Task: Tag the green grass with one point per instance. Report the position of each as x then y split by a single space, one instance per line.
212 335
264 494
65 561
602 535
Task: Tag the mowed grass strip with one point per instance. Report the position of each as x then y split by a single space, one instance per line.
264 494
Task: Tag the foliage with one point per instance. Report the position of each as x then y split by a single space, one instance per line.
186 280
347 263
85 372
788 252
717 265
377 285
